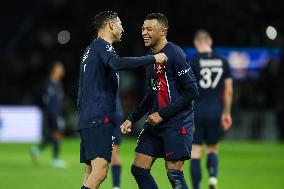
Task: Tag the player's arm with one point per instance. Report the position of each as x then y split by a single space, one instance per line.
226 119
228 96
189 94
125 63
185 75
142 108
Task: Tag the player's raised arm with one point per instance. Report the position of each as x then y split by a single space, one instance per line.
125 63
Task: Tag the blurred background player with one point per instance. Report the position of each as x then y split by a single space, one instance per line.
54 124
115 158
212 109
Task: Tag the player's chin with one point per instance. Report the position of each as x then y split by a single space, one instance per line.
118 39
147 44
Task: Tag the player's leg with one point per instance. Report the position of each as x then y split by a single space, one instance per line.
141 171
55 138
95 150
175 174
148 147
36 149
88 171
116 167
177 149
46 139
195 165
213 135
115 159
196 154
212 165
98 173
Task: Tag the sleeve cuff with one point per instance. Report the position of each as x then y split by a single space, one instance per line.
163 114
130 118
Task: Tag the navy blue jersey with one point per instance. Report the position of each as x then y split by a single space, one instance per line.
210 71
171 89
98 82
53 97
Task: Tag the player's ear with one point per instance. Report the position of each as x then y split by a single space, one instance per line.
110 25
210 42
164 31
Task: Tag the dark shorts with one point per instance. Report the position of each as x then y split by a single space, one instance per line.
96 142
52 123
172 144
117 135
207 131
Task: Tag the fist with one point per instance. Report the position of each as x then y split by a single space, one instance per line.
154 119
226 121
126 127
161 58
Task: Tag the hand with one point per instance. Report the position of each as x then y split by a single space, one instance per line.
126 127
57 135
154 119
161 58
226 121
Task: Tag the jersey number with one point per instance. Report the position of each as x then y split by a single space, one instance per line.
207 80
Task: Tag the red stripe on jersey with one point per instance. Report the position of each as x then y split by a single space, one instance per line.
163 93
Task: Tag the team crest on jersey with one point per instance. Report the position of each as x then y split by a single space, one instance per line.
110 48
159 69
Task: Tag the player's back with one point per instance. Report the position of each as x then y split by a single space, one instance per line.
97 85
210 71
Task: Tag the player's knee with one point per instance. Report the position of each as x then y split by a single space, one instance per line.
196 152
138 171
101 176
211 149
88 169
176 178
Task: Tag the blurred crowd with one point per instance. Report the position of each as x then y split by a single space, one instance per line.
30 41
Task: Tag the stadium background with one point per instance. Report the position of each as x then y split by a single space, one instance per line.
34 33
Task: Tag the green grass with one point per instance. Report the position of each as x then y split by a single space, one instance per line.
243 165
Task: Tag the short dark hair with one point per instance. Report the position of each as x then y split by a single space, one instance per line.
101 19
162 19
202 35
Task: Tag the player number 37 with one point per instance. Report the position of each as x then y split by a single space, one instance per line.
207 80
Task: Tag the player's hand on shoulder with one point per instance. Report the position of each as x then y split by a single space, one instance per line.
161 57
226 121
126 127
154 119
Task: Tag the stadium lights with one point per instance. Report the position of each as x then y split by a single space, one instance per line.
63 37
271 32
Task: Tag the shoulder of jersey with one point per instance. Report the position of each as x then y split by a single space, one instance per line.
175 49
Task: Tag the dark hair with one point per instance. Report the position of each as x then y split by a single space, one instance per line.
202 35
101 19
162 19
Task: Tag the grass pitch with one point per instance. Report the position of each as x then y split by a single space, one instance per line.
243 165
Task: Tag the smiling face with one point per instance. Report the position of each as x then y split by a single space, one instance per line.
117 29
152 32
